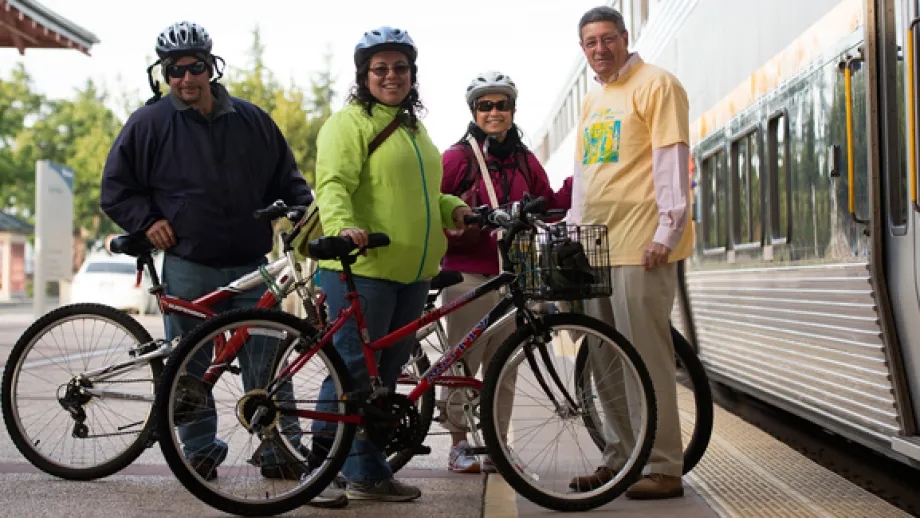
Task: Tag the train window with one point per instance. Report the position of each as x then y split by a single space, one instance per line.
779 179
747 221
714 209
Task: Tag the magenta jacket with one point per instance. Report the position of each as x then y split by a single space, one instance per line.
482 257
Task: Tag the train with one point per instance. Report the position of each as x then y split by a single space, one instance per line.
803 290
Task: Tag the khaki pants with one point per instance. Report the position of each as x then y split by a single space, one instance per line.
640 309
459 324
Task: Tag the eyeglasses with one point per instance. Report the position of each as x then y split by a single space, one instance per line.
383 71
606 40
487 106
178 71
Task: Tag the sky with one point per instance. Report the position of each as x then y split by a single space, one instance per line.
535 42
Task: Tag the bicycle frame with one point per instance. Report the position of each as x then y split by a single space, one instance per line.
353 310
280 271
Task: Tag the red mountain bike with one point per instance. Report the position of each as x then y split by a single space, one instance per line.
571 265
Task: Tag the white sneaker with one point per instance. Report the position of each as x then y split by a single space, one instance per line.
459 461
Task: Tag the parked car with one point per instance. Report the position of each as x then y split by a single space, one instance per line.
111 279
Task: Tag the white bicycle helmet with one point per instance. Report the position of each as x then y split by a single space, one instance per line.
490 83
384 38
184 39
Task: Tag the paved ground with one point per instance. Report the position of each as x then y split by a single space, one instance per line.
147 488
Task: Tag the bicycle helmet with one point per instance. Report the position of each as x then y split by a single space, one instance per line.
384 38
184 39
490 83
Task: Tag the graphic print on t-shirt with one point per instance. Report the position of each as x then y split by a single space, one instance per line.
601 141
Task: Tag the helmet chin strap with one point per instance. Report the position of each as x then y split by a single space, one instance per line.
154 84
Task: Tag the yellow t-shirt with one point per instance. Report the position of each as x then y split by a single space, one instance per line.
644 109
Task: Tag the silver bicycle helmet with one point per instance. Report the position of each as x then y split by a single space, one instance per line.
490 83
184 39
384 38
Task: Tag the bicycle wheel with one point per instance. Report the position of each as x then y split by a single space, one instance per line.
266 466
692 381
524 349
46 371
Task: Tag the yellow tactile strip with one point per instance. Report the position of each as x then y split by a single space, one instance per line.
748 473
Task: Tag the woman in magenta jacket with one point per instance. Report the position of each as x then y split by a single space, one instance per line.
513 170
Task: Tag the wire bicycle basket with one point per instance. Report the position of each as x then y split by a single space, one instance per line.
563 262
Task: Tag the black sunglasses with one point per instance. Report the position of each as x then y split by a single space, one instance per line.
178 71
487 106
383 70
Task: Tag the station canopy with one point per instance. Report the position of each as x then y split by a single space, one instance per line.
27 24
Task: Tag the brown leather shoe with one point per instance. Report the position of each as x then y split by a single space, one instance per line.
594 481
656 486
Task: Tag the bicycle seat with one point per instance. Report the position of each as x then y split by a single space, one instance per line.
135 244
334 247
445 279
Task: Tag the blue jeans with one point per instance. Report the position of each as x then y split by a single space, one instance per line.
189 280
387 306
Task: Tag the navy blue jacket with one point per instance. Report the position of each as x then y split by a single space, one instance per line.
204 175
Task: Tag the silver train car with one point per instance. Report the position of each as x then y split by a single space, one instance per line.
804 287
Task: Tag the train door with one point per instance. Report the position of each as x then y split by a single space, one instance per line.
898 42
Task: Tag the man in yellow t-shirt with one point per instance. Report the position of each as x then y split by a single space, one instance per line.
631 175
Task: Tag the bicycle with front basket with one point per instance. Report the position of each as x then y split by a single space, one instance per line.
390 420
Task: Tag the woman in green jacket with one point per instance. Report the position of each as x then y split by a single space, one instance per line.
397 191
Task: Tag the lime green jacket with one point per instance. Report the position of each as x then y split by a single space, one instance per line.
397 191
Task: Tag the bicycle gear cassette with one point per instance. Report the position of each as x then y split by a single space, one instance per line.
256 410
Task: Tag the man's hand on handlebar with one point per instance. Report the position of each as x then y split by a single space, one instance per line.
279 209
161 235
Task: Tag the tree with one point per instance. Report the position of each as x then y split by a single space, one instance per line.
76 133
255 83
18 104
322 86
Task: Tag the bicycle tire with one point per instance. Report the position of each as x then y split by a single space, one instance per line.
398 460
702 427
172 452
23 345
490 431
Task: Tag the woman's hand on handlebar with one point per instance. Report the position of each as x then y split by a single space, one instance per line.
459 216
357 236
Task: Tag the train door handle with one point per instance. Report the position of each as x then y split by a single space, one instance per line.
847 67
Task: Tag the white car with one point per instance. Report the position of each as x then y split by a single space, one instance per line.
111 280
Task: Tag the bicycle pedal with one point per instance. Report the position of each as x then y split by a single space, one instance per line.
421 449
473 450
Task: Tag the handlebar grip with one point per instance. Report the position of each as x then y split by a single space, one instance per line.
537 205
472 219
377 240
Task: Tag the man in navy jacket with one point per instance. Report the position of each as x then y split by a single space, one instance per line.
189 169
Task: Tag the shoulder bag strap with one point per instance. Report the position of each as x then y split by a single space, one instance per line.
483 170
383 135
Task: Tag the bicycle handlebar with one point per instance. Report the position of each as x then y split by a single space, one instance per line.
280 209
513 221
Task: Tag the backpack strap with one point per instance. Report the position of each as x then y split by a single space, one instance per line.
472 168
387 131
524 168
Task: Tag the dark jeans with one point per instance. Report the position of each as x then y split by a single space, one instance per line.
189 280
387 306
